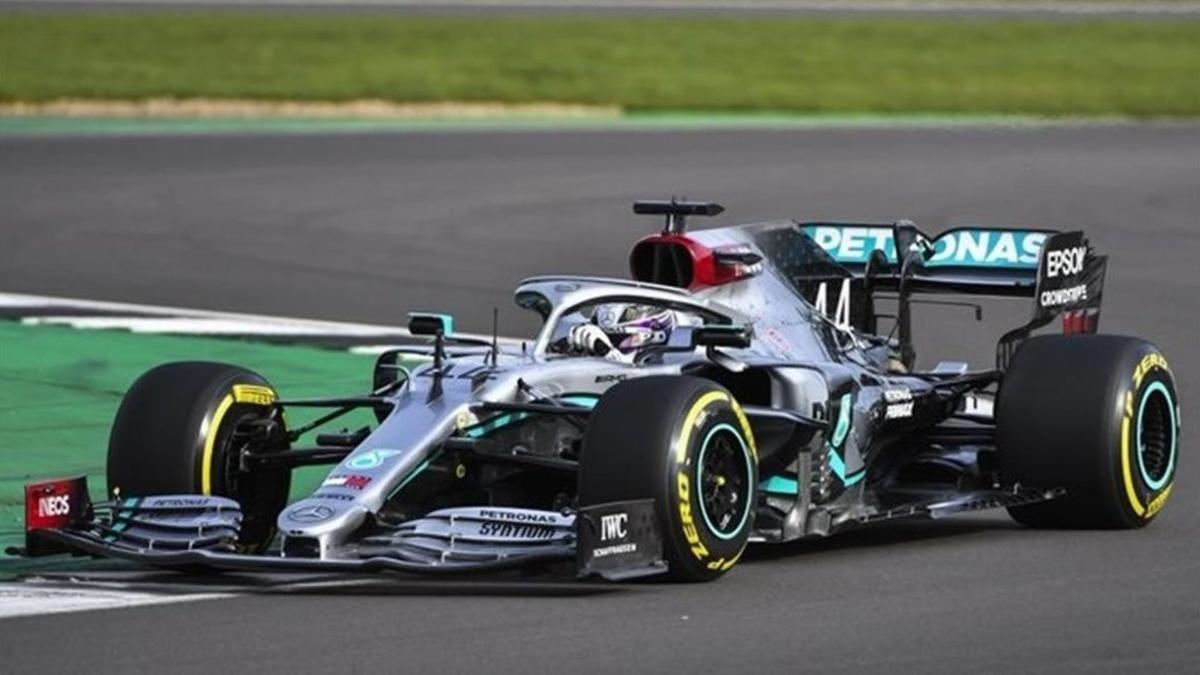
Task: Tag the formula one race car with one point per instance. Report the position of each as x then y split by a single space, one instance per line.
738 389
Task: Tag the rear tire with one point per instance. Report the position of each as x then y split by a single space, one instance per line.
1096 415
685 443
173 435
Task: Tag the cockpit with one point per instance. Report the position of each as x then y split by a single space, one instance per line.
631 315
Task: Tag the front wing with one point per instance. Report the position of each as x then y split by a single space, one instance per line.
196 531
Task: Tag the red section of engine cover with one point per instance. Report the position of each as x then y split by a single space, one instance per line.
677 260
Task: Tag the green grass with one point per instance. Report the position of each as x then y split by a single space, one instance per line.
801 65
60 388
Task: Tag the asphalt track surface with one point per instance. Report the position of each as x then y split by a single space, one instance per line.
366 226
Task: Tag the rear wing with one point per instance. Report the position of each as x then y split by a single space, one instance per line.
977 260
1059 270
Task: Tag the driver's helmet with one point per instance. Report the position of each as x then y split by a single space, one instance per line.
631 326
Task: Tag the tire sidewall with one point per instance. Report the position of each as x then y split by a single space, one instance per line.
217 413
698 544
1067 416
241 397
1142 496
172 435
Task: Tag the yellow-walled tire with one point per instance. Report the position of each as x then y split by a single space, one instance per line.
173 434
1094 414
685 443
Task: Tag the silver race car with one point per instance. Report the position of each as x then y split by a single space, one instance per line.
737 389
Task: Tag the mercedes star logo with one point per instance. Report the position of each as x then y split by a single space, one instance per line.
310 514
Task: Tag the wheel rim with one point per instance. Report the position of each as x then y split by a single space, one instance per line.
724 472
252 492
1156 441
232 479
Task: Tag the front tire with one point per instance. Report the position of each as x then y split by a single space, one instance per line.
174 434
685 443
1096 415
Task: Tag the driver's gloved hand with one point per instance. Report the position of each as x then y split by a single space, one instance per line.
589 338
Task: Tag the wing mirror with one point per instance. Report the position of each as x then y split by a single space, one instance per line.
429 324
687 338
734 336
438 326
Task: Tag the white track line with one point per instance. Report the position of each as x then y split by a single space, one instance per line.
188 321
206 326
31 599
376 350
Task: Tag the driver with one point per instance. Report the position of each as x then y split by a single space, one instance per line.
618 330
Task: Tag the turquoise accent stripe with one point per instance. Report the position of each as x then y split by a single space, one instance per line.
494 424
839 436
843 423
507 419
839 469
788 486
582 400
1156 484
780 485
